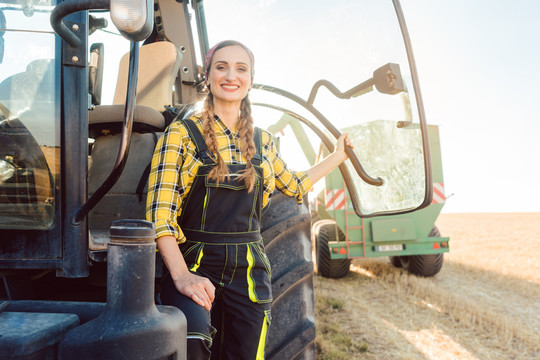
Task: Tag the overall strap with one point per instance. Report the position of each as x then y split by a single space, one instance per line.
202 149
257 138
198 139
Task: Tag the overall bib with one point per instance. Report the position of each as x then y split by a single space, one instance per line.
221 225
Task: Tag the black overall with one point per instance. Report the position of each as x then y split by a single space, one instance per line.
221 225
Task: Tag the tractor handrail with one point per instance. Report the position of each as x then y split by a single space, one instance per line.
354 92
419 104
123 151
67 7
333 130
330 146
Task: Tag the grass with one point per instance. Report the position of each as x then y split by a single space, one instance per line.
332 342
482 305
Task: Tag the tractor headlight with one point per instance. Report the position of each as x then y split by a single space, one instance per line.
6 171
133 18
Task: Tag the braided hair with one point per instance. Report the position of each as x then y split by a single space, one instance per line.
244 127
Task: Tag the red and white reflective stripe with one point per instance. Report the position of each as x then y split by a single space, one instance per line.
438 193
335 199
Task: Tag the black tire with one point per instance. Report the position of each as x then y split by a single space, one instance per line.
286 228
323 232
395 261
424 265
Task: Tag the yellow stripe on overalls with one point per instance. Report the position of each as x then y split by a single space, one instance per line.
198 263
251 285
262 339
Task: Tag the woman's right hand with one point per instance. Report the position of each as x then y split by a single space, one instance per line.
197 288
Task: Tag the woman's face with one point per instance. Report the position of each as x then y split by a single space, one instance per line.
230 74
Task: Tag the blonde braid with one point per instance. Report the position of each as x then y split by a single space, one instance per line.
245 131
220 171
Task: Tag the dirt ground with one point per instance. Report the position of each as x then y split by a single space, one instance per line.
484 304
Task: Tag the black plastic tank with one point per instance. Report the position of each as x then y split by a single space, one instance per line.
131 326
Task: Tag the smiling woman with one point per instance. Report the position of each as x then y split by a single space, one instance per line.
230 81
211 177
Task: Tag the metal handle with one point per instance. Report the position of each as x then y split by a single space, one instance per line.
69 7
330 146
123 151
352 156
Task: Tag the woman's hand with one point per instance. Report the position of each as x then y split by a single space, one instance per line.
342 143
197 288
320 170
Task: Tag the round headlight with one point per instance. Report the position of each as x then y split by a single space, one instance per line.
133 18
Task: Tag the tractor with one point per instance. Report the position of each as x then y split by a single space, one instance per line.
86 89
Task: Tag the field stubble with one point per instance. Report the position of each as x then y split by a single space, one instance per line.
482 305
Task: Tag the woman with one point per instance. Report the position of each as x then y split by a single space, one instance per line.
211 176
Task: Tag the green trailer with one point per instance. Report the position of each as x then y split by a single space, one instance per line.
410 240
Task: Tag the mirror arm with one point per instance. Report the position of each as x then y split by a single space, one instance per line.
67 7
330 146
354 92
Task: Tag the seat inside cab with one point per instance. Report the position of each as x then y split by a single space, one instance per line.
159 63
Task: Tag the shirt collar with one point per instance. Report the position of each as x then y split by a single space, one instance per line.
229 132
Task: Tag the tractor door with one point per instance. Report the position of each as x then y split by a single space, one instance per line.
340 66
30 137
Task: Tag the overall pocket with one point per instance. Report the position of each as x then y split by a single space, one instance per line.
229 208
258 275
193 253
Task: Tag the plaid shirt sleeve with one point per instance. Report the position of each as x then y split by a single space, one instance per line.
291 183
165 187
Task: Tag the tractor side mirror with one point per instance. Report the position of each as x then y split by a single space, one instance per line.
388 80
95 72
133 18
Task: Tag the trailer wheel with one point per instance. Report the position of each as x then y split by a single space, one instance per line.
424 265
285 229
395 261
325 231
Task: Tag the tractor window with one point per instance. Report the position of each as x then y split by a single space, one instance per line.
352 45
29 116
114 47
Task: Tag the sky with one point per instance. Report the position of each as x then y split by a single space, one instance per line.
478 64
478 68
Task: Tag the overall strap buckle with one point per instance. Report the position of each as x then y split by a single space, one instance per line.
257 139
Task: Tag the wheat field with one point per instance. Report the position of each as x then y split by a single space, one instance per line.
484 304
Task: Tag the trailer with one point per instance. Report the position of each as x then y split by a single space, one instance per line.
411 241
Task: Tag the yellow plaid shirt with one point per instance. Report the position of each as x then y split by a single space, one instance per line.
174 167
